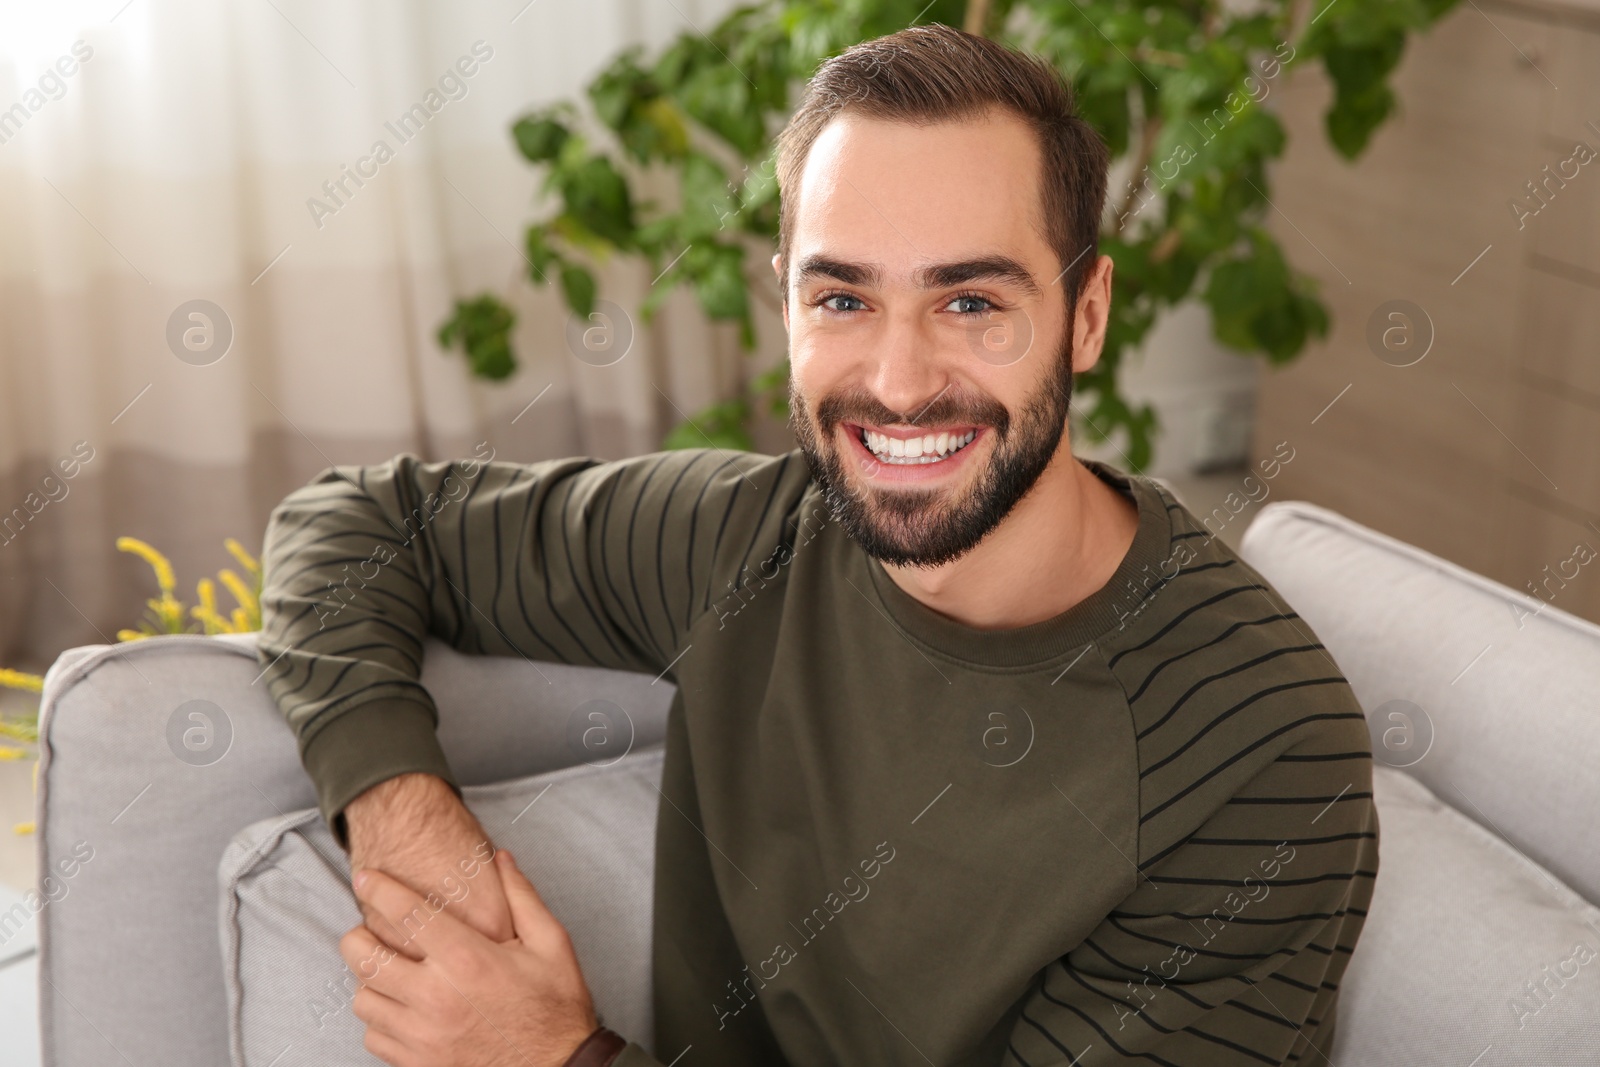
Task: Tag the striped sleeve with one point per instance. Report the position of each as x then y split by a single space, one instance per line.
576 561
1256 855
1231 947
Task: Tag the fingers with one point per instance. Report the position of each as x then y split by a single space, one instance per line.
483 905
407 920
395 940
376 964
535 925
383 1014
386 1048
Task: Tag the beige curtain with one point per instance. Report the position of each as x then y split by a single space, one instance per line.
173 172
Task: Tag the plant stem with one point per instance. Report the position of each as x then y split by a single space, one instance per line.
977 17
1147 145
1162 250
1294 20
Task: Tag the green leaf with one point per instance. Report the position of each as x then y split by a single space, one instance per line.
659 294
579 287
597 197
658 130
629 100
540 138
758 199
1257 305
1107 111
718 426
618 86
540 254
721 286
1354 117
1315 314
1279 329
492 359
708 199
579 236
1362 98
718 96
483 327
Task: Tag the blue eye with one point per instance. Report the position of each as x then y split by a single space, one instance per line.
969 305
828 302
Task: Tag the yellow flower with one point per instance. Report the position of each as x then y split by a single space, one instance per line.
249 603
168 613
236 586
23 828
24 729
246 560
159 563
206 612
21 680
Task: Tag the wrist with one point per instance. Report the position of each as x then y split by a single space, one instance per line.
409 800
599 1049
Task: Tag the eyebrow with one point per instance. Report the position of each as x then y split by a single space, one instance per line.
938 276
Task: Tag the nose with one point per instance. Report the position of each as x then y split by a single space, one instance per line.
909 372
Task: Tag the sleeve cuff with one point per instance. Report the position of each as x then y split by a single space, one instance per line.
368 744
635 1056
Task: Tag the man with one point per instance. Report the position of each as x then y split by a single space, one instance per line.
1110 796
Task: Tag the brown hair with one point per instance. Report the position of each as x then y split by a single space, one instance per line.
937 73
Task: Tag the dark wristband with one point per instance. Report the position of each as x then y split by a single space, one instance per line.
598 1049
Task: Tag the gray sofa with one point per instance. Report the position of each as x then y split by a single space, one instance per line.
1485 713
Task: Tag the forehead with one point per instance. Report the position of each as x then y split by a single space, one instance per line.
900 194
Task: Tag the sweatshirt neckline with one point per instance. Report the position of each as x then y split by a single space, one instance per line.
1066 633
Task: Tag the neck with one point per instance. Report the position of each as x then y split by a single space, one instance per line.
1060 544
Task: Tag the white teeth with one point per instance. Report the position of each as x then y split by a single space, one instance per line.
930 448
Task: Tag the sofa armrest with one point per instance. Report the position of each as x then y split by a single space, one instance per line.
156 752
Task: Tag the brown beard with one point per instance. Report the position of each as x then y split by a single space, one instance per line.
919 527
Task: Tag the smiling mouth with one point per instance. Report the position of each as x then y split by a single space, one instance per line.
916 450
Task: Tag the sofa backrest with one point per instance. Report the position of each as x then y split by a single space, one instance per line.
1490 697
138 799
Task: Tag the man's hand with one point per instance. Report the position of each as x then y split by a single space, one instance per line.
458 999
414 828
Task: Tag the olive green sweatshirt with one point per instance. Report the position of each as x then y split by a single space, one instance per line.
1141 830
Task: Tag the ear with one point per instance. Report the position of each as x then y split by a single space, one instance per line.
777 268
1092 315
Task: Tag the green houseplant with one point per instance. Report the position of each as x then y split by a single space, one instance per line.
1175 86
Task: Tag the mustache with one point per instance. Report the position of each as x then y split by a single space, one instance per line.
857 405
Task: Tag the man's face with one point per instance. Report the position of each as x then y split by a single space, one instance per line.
929 334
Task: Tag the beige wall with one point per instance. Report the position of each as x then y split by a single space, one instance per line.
1487 451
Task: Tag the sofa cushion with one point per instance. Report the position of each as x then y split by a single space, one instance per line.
584 835
1469 946
1485 693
